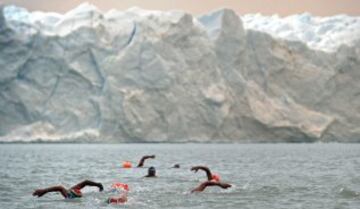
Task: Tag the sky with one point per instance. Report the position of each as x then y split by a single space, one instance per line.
266 7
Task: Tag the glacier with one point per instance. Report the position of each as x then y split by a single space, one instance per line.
154 76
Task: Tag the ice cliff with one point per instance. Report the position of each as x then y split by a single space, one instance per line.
139 75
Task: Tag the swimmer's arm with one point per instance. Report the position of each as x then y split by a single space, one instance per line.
200 188
142 161
203 186
204 168
41 192
220 184
88 183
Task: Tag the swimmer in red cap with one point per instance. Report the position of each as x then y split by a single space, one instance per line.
121 197
203 186
142 161
210 176
73 192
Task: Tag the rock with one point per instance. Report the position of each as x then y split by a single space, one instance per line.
149 76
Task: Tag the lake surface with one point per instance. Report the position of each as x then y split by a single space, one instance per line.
279 176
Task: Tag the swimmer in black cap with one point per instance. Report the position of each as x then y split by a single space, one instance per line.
176 166
203 186
151 172
73 192
142 161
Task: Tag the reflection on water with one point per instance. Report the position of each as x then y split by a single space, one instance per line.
263 175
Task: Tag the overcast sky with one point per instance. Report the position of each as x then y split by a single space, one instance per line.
282 7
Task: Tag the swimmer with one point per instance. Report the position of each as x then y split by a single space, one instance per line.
142 161
176 166
204 168
73 192
121 197
205 184
151 172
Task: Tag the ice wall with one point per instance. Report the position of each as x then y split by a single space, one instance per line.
139 75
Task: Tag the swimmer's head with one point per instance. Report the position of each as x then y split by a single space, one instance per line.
215 178
176 166
77 191
152 171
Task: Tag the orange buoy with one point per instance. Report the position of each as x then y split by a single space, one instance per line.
126 164
215 177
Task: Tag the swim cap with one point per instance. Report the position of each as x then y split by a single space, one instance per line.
74 193
120 186
78 191
126 164
215 177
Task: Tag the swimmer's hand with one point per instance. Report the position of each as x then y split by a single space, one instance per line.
101 187
195 169
39 192
224 185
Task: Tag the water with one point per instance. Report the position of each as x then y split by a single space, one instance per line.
264 176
